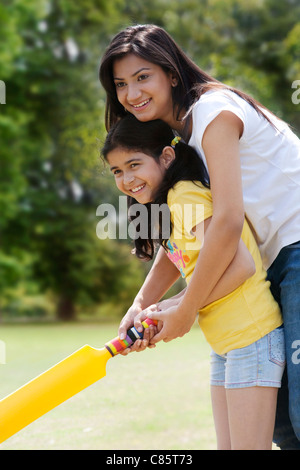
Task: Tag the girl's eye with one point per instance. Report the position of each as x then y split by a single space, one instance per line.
116 172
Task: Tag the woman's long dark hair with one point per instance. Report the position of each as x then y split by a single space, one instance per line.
150 138
155 45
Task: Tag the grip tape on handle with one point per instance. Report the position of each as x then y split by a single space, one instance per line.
116 345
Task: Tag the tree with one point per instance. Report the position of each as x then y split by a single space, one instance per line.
51 182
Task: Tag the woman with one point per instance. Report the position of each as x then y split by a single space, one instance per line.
144 72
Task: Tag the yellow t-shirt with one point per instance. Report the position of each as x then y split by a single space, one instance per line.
250 311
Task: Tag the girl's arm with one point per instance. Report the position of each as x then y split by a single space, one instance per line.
161 277
221 147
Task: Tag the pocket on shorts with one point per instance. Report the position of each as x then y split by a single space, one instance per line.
276 347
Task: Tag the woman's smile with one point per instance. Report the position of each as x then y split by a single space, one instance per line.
141 105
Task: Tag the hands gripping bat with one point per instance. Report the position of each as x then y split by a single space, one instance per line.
81 369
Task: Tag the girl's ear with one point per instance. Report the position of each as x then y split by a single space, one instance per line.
167 156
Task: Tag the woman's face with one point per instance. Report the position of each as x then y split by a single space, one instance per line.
144 89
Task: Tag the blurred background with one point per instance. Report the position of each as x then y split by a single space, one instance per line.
52 264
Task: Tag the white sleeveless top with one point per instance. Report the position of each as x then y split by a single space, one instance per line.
270 163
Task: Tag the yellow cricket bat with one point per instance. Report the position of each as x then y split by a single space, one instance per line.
81 369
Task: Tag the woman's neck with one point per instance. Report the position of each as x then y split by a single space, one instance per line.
184 127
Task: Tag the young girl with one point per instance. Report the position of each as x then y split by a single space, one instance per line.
151 166
144 72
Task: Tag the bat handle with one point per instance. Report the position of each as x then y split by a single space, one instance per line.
117 345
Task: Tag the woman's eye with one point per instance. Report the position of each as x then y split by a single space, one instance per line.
120 84
143 77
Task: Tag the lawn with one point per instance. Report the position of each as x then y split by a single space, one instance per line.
158 399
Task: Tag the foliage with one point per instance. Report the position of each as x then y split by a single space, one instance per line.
52 126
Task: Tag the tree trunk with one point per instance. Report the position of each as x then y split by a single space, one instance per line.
65 309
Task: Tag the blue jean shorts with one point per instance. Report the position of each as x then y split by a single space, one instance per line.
261 364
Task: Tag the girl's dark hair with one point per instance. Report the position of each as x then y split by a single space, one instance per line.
150 138
155 45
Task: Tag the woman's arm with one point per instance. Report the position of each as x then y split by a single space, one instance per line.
240 269
221 147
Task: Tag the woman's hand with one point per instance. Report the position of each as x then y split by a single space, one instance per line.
176 322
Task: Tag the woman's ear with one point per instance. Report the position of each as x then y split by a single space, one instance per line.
167 156
173 78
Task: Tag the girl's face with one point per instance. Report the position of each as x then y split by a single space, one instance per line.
136 174
144 89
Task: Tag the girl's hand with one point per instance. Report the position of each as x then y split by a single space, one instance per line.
141 344
149 333
134 317
152 331
128 320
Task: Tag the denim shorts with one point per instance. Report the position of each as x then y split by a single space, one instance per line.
261 364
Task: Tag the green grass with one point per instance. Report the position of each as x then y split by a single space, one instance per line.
158 399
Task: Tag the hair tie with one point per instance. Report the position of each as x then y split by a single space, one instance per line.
175 141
